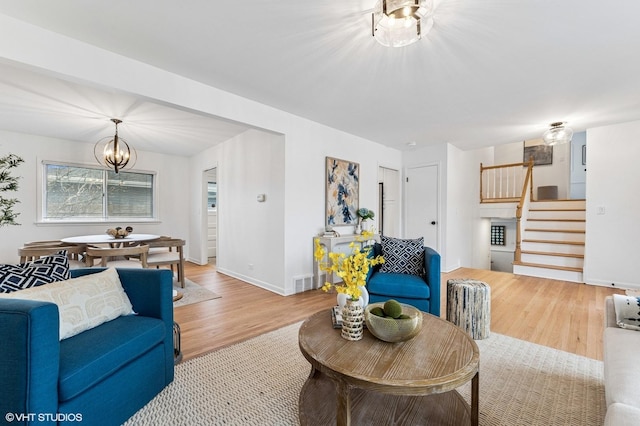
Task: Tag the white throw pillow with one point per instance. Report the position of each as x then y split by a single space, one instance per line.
627 311
84 302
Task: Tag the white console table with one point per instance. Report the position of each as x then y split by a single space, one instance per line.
334 244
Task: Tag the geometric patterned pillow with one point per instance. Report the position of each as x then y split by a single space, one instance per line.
402 256
45 270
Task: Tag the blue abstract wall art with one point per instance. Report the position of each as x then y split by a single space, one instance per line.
342 192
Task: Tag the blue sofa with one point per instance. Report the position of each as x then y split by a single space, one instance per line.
105 374
421 291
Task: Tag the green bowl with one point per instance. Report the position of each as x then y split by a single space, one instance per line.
390 329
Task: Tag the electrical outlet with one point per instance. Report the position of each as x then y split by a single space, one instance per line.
251 266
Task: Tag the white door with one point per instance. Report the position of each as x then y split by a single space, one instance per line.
422 207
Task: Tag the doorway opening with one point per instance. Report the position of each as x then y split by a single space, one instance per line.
211 200
388 214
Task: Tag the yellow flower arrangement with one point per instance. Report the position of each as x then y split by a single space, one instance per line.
353 268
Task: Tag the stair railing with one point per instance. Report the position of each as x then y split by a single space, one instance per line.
503 183
522 210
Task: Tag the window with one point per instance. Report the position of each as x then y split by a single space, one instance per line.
86 193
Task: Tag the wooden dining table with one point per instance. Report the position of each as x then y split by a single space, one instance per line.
100 239
108 239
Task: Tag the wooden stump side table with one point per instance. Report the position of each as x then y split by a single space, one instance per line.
469 306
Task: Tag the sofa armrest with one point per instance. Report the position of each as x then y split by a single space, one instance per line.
432 275
609 313
30 354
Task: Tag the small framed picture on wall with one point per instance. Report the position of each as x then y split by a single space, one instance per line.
537 150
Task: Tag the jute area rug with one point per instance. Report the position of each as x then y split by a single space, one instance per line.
257 382
192 293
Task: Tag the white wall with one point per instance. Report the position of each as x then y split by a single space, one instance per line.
463 235
306 143
467 231
611 237
171 181
613 179
250 233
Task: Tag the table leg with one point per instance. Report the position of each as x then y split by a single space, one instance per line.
343 411
475 393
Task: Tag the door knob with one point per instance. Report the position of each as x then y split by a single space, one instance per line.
433 222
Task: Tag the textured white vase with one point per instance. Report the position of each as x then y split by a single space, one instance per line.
352 320
363 301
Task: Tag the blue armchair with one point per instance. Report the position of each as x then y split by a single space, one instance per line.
421 291
104 374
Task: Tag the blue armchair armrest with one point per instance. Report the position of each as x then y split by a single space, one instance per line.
30 354
432 276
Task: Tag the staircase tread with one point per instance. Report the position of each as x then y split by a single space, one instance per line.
556 220
557 210
549 253
577 243
500 200
538 265
569 231
561 199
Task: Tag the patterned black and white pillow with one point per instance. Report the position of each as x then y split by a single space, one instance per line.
402 256
42 271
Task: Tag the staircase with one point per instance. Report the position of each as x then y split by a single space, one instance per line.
553 240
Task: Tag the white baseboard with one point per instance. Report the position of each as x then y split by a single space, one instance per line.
252 281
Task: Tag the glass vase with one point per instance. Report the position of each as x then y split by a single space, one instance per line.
352 320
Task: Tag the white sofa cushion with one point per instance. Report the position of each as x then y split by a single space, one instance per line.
84 302
622 415
621 377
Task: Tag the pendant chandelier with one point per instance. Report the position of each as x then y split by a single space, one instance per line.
557 133
114 152
397 23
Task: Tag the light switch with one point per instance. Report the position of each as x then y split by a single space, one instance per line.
600 210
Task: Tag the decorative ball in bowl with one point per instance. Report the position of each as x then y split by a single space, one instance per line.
119 232
380 321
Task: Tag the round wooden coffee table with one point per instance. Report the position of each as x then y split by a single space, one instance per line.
378 383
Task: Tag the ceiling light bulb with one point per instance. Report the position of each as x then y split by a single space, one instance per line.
557 133
116 152
416 20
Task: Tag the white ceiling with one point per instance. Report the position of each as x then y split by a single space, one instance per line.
489 72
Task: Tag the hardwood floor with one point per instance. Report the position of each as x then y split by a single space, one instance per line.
558 314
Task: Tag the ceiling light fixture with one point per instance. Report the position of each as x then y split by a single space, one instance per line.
557 133
397 23
114 152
